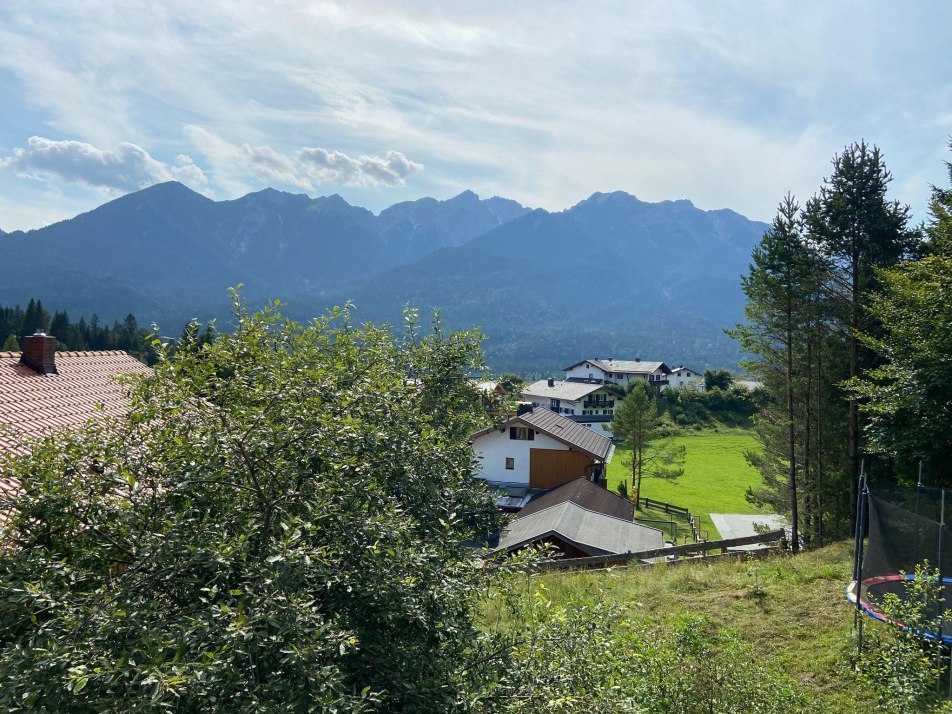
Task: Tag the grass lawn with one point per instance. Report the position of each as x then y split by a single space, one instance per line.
788 608
716 476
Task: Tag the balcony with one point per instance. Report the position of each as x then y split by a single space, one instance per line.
591 418
592 404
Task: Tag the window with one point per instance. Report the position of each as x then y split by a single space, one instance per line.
521 433
510 463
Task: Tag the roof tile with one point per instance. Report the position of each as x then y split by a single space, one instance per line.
33 405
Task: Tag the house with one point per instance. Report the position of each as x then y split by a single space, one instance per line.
42 390
685 377
539 449
590 404
586 494
579 519
615 371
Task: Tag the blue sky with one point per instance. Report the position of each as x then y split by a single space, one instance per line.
727 104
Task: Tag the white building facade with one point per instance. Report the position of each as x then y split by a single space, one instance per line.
585 403
622 372
686 377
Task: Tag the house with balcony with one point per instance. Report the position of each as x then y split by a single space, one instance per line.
617 371
585 402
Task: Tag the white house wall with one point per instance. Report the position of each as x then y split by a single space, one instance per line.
493 448
600 427
690 381
583 372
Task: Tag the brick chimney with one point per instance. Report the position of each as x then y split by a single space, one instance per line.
39 353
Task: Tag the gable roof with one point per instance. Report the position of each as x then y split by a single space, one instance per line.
590 532
586 494
561 389
624 366
682 368
33 405
561 429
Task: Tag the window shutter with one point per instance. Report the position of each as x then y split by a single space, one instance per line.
531 434
512 432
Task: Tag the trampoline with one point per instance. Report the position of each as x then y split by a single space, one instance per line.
873 593
903 529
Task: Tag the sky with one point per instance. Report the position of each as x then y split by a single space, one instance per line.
728 104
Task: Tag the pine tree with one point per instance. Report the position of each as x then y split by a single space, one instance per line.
780 285
858 229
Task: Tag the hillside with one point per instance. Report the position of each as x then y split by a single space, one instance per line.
790 610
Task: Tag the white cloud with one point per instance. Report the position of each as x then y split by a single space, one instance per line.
390 170
127 167
307 168
729 105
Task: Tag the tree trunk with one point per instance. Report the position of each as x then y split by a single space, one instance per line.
794 524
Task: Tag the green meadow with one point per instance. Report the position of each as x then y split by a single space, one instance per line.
716 476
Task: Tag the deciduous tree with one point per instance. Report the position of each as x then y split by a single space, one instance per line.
638 421
278 525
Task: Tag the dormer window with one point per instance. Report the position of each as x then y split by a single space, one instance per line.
521 433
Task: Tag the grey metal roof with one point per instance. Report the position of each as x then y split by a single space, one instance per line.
592 532
568 432
625 366
570 391
586 494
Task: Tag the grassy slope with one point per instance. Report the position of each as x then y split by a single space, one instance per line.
788 608
716 476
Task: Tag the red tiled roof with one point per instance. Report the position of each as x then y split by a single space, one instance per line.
33 405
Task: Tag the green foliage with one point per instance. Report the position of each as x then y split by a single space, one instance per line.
908 394
594 656
639 423
81 335
511 382
278 525
718 379
11 344
808 289
900 663
732 407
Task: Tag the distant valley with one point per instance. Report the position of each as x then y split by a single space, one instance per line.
610 275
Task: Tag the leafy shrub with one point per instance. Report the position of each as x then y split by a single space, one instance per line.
592 657
902 664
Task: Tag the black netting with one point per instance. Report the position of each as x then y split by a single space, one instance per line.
905 532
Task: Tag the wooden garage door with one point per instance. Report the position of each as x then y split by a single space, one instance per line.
549 468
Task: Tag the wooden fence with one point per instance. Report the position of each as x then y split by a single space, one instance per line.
604 561
679 511
668 508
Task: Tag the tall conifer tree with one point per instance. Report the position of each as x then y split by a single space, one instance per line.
854 224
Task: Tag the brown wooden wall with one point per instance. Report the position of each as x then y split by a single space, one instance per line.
549 468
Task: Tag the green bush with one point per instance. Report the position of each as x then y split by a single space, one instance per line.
592 657
900 663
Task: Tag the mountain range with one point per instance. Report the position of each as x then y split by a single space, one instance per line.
610 275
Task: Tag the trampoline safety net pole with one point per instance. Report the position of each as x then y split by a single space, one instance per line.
858 562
